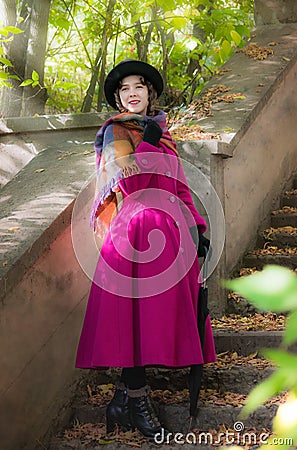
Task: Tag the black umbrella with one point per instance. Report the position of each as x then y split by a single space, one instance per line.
195 376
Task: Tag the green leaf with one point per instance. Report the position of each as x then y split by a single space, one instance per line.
282 359
5 61
262 392
179 22
35 83
4 75
235 37
13 30
63 23
5 83
290 335
4 31
67 85
15 77
273 289
226 48
105 441
26 82
35 76
7 40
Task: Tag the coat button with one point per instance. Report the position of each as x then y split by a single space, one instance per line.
144 161
168 173
172 198
182 250
177 224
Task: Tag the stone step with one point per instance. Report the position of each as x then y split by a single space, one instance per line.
246 342
281 237
175 418
238 378
284 217
123 443
221 377
289 198
261 260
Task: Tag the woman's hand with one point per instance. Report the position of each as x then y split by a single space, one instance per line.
152 132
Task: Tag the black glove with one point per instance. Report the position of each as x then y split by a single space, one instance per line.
203 242
200 241
152 132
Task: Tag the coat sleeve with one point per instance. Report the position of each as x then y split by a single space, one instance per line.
190 212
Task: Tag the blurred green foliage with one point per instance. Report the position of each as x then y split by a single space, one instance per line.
275 289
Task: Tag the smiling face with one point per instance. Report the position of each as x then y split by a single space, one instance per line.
134 94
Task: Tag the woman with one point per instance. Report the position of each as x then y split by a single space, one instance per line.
142 307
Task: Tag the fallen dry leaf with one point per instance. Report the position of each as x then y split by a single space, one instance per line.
65 155
256 51
227 360
270 232
101 395
292 192
202 107
244 271
285 210
192 132
273 250
39 170
253 322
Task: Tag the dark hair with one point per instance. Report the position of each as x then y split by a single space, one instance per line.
152 96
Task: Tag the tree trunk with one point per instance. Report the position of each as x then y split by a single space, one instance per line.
106 28
194 64
165 59
87 102
142 42
11 105
27 53
35 98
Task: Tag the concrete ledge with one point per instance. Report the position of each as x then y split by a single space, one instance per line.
22 138
37 206
16 125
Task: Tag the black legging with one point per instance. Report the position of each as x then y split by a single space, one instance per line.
133 377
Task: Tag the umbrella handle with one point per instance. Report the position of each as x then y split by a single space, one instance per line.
205 266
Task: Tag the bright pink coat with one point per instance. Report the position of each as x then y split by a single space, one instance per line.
142 307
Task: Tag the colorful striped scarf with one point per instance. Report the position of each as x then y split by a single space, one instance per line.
118 137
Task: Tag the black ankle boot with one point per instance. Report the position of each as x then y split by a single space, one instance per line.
142 411
117 411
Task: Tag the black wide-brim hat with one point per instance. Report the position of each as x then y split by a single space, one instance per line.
131 67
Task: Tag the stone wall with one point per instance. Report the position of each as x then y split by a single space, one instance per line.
275 12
